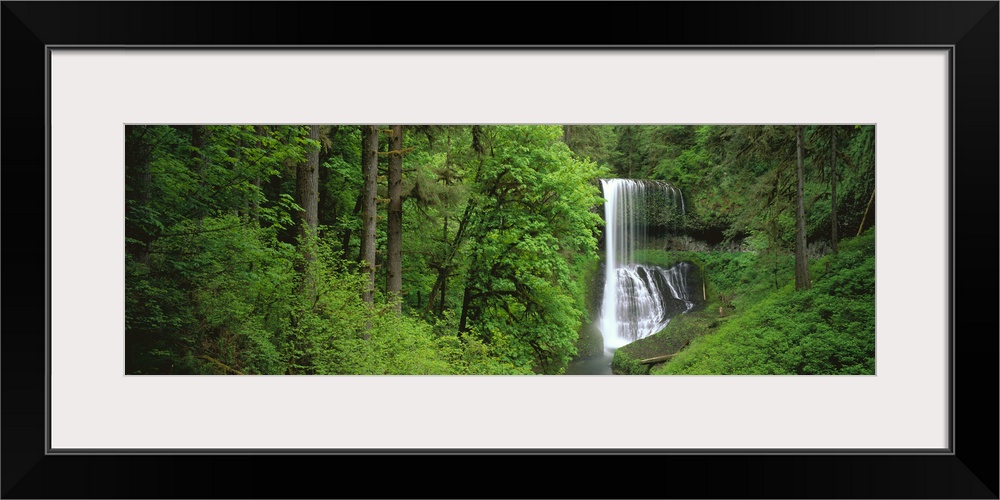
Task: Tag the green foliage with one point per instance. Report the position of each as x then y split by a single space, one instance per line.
624 363
532 215
740 180
436 194
593 142
216 284
828 329
221 283
468 355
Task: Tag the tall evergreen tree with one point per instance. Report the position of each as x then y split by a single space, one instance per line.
833 187
307 195
394 276
369 168
801 264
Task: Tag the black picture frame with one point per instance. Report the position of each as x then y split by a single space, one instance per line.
968 470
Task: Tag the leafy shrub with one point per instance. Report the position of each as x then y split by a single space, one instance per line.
828 329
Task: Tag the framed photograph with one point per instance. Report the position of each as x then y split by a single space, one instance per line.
909 90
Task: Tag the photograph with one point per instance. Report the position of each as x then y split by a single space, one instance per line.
499 249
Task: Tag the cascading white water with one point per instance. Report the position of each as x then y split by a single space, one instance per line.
639 300
646 299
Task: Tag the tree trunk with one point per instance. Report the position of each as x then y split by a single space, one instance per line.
480 149
327 213
833 187
801 264
307 219
444 291
865 217
369 168
631 143
466 303
196 144
394 277
443 277
446 264
656 359
567 132
307 197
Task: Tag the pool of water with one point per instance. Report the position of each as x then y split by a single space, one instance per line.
593 366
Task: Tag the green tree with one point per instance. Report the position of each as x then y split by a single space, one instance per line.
394 275
833 187
369 169
801 262
440 192
627 158
532 216
307 198
206 275
593 142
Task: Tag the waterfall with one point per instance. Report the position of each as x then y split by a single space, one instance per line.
638 299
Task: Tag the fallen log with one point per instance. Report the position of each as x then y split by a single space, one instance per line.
657 359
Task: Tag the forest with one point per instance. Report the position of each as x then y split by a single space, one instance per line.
499 249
